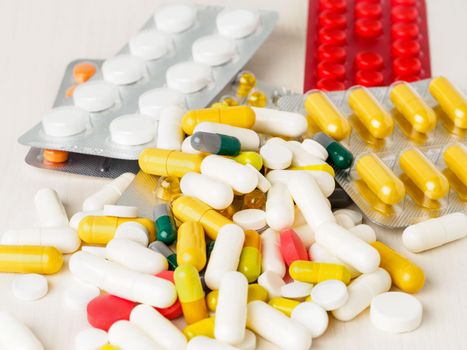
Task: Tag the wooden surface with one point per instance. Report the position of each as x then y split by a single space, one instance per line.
39 38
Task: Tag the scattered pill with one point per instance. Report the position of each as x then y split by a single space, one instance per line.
250 262
339 156
106 309
133 231
284 305
49 209
191 245
90 338
78 295
250 219
330 294
312 316
30 259
29 287
296 290
272 282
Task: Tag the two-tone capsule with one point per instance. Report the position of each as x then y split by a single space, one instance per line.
165 224
191 245
190 293
162 248
208 142
339 156
313 272
250 258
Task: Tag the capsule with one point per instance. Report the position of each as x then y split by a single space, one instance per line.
405 275
241 116
162 248
257 99
370 112
215 143
313 272
191 245
190 293
30 259
203 327
162 162
339 156
245 82
191 209
252 158
165 224
249 140
451 100
284 305
255 292
101 229
328 118
424 174
15 335
167 188
455 157
380 179
410 104
250 259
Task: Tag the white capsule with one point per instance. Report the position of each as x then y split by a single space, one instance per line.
215 193
163 332
15 335
169 130
109 194
280 123
435 232
276 155
98 251
272 282
364 232
320 254
237 175
315 148
276 327
249 342
361 291
279 207
187 147
324 180
76 218
300 156
65 239
205 343
49 209
271 255
133 231
225 255
127 336
355 215
306 234
263 184
344 220
312 316
249 140
122 282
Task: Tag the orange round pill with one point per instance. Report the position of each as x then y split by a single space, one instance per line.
83 71
55 156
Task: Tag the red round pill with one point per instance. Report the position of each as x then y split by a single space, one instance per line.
104 310
327 84
174 311
406 66
329 19
369 78
331 70
292 247
333 5
331 53
405 48
368 10
404 14
332 36
369 60
368 28
404 31
403 2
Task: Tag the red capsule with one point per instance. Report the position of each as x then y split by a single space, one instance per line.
174 311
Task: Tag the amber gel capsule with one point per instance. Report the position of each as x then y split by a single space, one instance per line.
215 143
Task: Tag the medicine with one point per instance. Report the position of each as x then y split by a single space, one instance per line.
272 282
188 77
106 309
205 328
174 311
191 209
330 294
175 18
162 248
76 218
149 44
303 159
451 100
79 295
215 143
250 258
190 293
279 207
361 292
272 257
213 50
328 118
284 305
257 98
123 69
205 343
279 123
250 219
380 179
237 23
370 112
15 335
162 162
65 121
65 239
292 247
315 148
169 129
126 335
410 104
120 281
320 254
240 116
435 232
49 209
96 95
314 272
30 259
455 157
249 140
154 101
276 155
252 158
90 338
339 156
215 193
296 290
324 180
277 328
133 231
364 232
165 224
29 286
191 245
312 316
109 194
255 292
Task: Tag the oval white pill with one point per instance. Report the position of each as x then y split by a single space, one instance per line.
90 339
29 286
152 102
97 251
132 130
237 23
65 121
263 184
250 219
276 155
122 211
123 69
356 216
95 96
188 77
312 316
315 148
330 294
134 231
344 220
272 282
296 290
175 18
396 312
364 232
213 50
78 295
149 44
248 342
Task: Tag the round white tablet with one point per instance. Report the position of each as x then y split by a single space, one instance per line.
149 44
312 316
213 50
132 129
250 219
95 96
65 121
175 18
396 312
97 251
330 294
364 232
133 231
296 290
152 102
276 155
344 220
263 184
237 23
78 295
188 77
123 69
29 286
272 282
248 342
356 216
315 148
122 211
90 339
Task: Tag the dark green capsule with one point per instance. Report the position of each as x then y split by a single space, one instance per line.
339 156
165 224
215 143
161 248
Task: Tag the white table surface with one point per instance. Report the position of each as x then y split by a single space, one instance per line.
39 38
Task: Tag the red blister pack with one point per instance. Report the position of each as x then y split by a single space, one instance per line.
365 42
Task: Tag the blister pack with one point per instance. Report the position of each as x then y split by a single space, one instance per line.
408 142
184 55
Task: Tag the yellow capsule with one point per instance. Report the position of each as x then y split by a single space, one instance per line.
257 99
315 272
101 229
316 167
241 116
108 347
230 101
204 328
190 293
256 199
451 100
328 118
219 105
252 158
284 305
191 245
163 162
191 209
167 187
255 292
405 275
380 179
424 174
250 258
409 103
370 112
246 81
30 259
455 157
308 298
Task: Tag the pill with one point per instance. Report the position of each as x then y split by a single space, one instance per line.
126 335
328 118
188 77
339 156
250 219
302 158
55 156
149 44
330 294
435 232
380 179
279 123
272 257
191 245
123 69
133 231
83 71
154 101
215 143
108 347
132 130
249 140
204 327
284 305
106 309
90 338
296 290
272 282
213 50
255 292
276 155
291 246
164 223
162 162
324 180
175 18
250 262
257 98
364 232
320 254
187 147
205 343
248 342
162 248
315 148
277 328
451 100
98 251
169 129
244 83
237 23
355 215
455 157
65 121
254 200
78 295
63 238
344 220
313 272
109 194
49 209
15 335
122 211
312 316
96 95
121 281
29 286
279 207
263 183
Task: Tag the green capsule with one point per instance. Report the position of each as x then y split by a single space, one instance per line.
165 224
161 248
339 156
215 143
